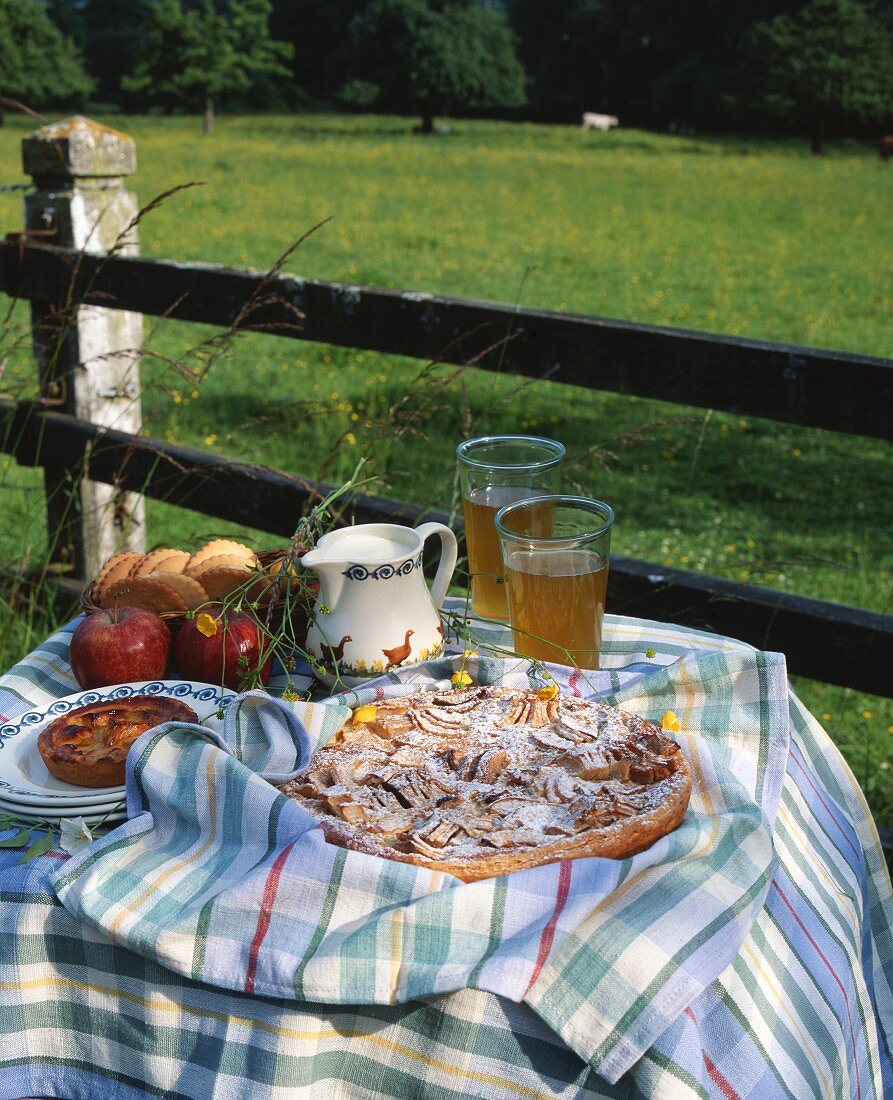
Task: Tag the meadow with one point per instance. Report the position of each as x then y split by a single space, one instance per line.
727 235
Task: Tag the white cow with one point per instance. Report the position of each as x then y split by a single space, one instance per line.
592 121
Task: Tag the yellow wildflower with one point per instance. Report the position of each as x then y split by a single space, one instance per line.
364 715
669 721
548 691
206 624
461 679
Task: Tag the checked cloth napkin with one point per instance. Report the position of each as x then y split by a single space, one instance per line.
219 877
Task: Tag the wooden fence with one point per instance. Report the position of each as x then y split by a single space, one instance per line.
803 386
812 388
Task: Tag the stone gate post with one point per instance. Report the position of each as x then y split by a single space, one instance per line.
88 356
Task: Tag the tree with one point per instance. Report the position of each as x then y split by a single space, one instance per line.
39 66
568 48
109 33
320 34
198 55
427 56
647 61
824 68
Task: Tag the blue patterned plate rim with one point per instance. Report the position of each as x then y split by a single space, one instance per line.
23 776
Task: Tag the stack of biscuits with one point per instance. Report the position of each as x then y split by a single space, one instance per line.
174 582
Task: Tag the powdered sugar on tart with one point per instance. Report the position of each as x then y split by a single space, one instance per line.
487 780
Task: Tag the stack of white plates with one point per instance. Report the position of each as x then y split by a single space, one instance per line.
29 791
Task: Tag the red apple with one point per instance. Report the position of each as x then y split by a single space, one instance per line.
218 647
119 645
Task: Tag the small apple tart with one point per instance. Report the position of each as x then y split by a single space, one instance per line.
88 746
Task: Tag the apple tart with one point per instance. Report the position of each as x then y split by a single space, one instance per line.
483 781
89 745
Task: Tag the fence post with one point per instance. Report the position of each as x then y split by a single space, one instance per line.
88 357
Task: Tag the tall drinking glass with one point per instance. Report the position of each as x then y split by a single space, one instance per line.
556 576
494 471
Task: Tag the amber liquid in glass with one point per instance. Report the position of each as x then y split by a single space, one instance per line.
557 603
488 597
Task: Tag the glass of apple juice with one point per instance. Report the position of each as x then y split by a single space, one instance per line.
495 470
555 561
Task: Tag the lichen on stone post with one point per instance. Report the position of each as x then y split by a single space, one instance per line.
88 356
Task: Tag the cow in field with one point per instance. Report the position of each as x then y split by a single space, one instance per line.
885 147
592 121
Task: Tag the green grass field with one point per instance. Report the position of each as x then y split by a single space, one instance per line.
749 237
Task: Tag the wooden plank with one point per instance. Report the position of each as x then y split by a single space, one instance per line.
210 484
784 382
823 641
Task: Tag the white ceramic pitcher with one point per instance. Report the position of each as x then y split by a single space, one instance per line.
374 610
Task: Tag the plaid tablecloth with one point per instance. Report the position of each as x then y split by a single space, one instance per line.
803 1009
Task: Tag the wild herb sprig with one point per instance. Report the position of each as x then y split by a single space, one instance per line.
281 596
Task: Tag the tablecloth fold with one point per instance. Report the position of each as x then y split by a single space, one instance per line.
219 877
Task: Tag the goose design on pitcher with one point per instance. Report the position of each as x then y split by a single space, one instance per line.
398 656
335 653
373 591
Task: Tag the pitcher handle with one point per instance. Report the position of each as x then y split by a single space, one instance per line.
449 553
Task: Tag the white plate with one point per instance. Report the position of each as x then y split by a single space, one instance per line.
116 812
24 779
102 805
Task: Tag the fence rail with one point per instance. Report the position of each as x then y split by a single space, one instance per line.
782 382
